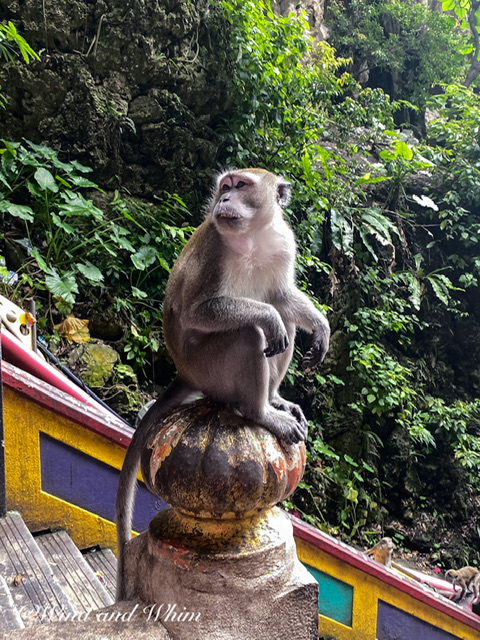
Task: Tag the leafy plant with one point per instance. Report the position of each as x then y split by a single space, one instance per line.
456 425
340 478
75 246
467 13
405 46
11 41
13 44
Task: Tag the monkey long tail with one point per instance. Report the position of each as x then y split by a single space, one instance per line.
125 500
174 395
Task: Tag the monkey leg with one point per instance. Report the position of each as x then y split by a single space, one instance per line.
231 367
459 595
278 366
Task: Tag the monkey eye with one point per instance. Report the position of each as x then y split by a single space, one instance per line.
240 184
225 187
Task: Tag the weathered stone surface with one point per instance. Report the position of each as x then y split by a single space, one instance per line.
314 10
253 593
206 460
96 361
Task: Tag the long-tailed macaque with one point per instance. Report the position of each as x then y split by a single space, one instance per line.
230 312
382 551
467 578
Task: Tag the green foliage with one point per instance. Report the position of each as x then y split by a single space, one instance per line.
344 481
11 41
457 426
454 135
12 45
287 96
276 90
407 40
386 383
284 86
74 246
467 13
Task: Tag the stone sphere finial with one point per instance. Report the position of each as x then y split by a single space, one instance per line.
208 462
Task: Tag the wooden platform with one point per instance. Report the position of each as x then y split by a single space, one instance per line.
9 615
30 579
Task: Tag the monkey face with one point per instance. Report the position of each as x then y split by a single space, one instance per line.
235 202
247 200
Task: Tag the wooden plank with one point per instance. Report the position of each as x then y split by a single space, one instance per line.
74 574
9 616
34 589
104 564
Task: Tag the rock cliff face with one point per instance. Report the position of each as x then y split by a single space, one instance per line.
130 88
313 8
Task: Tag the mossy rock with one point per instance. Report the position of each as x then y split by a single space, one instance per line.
95 361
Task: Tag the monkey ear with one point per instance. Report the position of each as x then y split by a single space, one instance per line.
283 193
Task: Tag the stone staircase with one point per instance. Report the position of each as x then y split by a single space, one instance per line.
45 578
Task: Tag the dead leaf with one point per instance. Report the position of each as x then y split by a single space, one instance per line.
74 329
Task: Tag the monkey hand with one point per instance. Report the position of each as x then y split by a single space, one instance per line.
317 352
276 336
295 432
295 436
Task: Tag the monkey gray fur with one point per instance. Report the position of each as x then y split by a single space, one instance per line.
230 313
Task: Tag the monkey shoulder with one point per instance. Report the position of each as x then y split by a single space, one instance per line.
196 264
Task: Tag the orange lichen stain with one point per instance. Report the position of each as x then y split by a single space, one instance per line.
280 467
172 551
274 455
162 451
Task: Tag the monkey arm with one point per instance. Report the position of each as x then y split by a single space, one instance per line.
224 313
296 307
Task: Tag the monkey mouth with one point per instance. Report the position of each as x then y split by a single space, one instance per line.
228 215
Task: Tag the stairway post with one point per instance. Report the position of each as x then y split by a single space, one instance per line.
220 562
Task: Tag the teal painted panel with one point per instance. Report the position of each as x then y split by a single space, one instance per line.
335 598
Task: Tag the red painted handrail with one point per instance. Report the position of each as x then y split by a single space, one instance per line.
90 415
15 352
